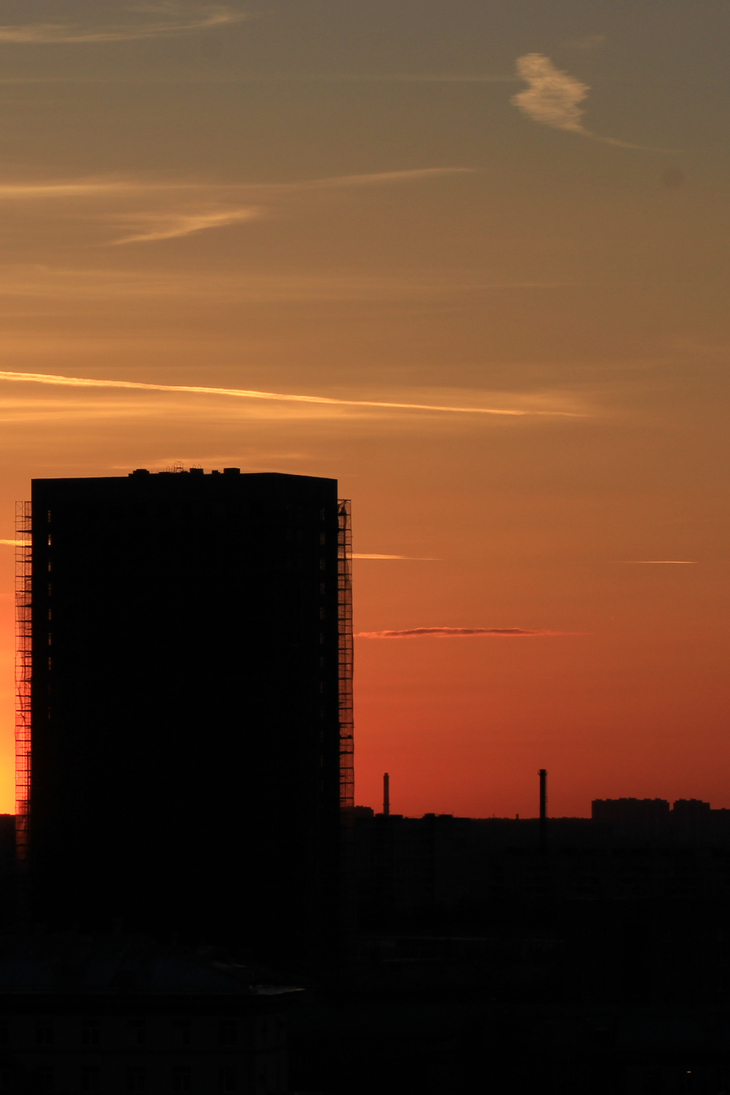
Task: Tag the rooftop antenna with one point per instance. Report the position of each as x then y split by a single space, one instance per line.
386 795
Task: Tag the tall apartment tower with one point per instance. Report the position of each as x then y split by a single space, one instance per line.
185 707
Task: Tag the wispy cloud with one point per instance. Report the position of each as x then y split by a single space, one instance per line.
458 633
407 558
167 226
378 178
136 186
243 393
227 77
175 209
168 19
661 562
84 188
396 78
553 98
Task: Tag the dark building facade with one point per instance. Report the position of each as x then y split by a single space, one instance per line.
119 1014
185 668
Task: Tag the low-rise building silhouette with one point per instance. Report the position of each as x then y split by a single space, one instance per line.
440 868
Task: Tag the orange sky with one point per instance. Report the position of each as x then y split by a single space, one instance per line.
514 207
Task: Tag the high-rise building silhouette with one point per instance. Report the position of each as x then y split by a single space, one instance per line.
185 706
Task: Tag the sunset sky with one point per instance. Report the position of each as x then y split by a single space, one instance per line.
492 237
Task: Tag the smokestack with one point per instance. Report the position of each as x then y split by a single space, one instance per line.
386 795
543 808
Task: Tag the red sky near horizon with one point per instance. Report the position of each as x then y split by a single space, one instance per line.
517 208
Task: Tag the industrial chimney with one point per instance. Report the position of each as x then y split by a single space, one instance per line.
543 808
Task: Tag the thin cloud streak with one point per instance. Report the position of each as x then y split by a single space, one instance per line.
168 226
660 562
459 632
353 78
180 19
180 218
85 189
375 178
407 558
243 393
267 78
90 187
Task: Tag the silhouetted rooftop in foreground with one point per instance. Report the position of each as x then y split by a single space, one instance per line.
122 1013
68 962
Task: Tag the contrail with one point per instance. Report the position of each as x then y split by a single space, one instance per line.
456 632
406 558
243 393
661 562
215 15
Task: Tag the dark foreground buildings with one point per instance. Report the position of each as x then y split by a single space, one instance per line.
114 1014
496 957
459 872
186 676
